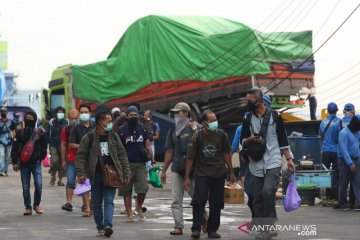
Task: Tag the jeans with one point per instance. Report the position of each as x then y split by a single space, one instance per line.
71 175
345 177
264 190
329 158
26 170
4 158
211 188
248 189
103 215
177 194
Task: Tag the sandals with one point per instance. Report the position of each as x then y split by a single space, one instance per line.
52 181
130 219
176 231
141 216
86 214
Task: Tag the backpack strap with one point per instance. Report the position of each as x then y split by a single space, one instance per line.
265 123
341 124
327 127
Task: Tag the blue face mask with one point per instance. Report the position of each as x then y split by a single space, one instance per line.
108 127
60 116
213 126
84 117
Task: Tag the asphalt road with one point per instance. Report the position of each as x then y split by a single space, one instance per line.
325 223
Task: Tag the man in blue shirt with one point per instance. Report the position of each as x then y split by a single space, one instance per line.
329 150
137 145
349 112
349 162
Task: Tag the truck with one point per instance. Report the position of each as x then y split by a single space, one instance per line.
208 62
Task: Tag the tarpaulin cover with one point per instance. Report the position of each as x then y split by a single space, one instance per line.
158 49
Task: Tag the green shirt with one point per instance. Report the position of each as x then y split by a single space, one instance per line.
207 152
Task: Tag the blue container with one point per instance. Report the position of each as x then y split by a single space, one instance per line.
304 145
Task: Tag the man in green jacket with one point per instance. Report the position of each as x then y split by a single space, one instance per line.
104 141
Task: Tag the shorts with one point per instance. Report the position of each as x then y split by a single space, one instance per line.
138 180
71 175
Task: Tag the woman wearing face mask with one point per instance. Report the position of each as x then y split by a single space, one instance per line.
53 134
33 165
102 145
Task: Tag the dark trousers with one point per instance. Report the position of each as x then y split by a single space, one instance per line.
329 158
264 190
313 105
211 188
248 189
346 176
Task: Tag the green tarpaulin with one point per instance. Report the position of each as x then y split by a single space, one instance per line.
160 48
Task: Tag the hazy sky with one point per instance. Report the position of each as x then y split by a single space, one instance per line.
43 35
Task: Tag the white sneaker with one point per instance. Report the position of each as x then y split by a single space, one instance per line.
2 174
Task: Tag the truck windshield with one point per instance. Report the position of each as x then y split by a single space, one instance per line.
57 98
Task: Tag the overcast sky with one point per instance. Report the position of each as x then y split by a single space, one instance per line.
43 35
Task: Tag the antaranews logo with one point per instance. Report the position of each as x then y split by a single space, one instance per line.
302 230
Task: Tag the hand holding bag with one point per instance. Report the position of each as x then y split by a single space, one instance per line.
292 199
82 188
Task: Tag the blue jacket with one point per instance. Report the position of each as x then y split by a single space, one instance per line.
348 146
328 144
342 123
236 141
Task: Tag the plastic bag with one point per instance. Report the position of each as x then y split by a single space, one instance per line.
292 199
154 177
82 188
46 161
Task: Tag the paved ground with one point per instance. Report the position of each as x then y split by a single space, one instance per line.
57 224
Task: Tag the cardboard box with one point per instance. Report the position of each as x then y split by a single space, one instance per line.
233 194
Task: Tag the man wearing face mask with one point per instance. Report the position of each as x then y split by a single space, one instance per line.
7 131
136 142
209 154
349 162
53 134
266 169
33 164
77 133
176 145
119 120
68 158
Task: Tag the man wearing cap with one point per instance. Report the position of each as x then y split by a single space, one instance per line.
137 145
329 151
7 132
349 112
176 145
349 162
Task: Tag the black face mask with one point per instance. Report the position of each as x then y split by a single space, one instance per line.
133 122
30 123
3 115
116 114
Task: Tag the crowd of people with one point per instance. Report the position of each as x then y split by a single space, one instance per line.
199 154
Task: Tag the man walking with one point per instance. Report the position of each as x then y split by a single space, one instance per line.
265 169
176 145
53 134
68 159
77 133
28 159
7 132
209 150
136 142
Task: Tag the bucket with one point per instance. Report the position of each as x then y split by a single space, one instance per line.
307 193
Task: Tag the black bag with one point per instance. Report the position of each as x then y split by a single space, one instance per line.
256 150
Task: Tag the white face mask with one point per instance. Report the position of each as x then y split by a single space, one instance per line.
60 115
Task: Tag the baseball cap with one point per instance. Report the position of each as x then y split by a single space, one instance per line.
267 100
3 108
181 106
332 107
349 107
115 109
132 109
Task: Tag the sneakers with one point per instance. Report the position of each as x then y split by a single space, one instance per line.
195 234
28 212
344 208
357 208
38 210
2 174
67 207
108 232
100 233
214 235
